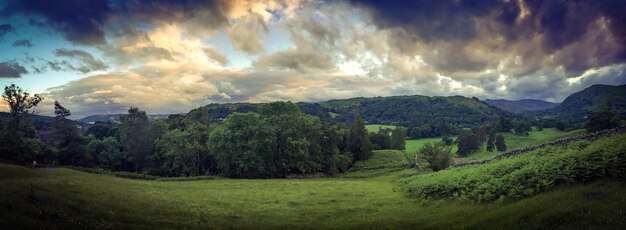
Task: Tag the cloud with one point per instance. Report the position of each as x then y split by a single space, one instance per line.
5 28
88 62
11 69
79 21
22 42
215 55
245 34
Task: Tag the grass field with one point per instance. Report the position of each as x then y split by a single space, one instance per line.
375 128
512 141
368 197
73 199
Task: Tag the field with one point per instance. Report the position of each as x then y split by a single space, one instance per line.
381 192
68 198
512 141
375 128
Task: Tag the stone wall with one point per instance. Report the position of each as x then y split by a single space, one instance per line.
562 141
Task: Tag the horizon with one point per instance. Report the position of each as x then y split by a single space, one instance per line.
170 57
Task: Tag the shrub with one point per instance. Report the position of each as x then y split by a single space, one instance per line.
524 175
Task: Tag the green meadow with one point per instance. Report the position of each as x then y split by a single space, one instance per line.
380 193
375 128
512 141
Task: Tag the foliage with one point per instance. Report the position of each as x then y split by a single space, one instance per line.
604 118
277 141
527 174
467 143
500 143
397 138
358 141
18 136
437 155
106 153
134 136
490 142
184 151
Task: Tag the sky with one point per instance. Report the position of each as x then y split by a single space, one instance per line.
103 56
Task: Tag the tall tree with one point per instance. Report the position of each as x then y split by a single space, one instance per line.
19 140
358 141
134 136
603 118
500 143
398 138
490 142
69 143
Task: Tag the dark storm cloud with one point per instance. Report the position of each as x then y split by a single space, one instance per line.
561 23
11 69
434 20
22 42
84 22
80 21
5 28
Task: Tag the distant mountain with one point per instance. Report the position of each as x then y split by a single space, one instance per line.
396 110
575 108
40 122
116 118
521 105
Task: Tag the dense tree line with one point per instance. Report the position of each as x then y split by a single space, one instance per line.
273 142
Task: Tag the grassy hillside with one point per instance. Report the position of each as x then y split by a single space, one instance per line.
66 198
526 174
380 163
512 141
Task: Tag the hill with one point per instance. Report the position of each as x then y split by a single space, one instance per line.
568 187
575 108
395 110
521 105
116 118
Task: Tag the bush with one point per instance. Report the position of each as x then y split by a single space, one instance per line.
524 175
437 155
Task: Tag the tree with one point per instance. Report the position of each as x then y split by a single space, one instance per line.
603 118
381 139
183 150
134 136
358 141
490 142
521 128
70 145
559 125
467 144
60 111
397 138
19 138
437 155
106 153
500 145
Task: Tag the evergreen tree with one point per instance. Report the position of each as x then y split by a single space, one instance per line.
490 142
69 144
358 141
500 144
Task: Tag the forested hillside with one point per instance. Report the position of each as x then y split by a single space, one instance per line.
414 110
521 105
574 109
